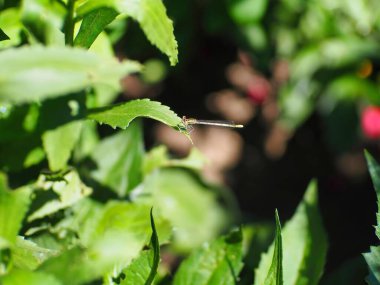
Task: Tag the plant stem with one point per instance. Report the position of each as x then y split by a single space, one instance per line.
69 23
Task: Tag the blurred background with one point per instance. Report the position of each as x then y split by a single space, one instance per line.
303 77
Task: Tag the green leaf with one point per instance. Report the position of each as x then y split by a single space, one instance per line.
150 14
69 190
304 242
158 157
21 277
36 73
215 263
59 143
44 20
121 115
119 170
275 275
247 11
10 23
3 36
373 260
181 198
374 170
28 255
13 207
115 234
92 25
143 269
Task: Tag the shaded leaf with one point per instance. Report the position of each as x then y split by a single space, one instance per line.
304 244
36 73
119 170
121 115
3 36
13 207
69 190
216 263
44 20
92 25
59 143
373 260
374 170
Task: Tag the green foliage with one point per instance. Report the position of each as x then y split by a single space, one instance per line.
48 72
88 218
275 273
92 25
150 14
143 269
215 263
373 257
121 115
304 244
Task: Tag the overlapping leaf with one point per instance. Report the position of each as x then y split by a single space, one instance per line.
304 245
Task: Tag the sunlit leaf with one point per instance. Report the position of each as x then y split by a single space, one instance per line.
159 157
13 207
68 188
21 277
36 73
150 14
119 170
121 115
59 143
28 255
216 263
143 269
182 199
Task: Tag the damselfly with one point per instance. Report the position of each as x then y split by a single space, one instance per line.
188 122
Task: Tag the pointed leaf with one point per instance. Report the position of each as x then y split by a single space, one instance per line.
119 170
374 170
274 276
216 263
59 143
150 14
143 269
121 115
36 73
92 25
304 242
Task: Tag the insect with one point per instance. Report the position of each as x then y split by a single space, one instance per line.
188 122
